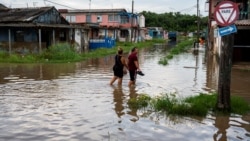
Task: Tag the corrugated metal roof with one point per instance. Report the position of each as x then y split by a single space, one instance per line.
243 22
92 10
35 25
21 14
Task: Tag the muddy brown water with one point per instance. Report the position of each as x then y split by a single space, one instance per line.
74 102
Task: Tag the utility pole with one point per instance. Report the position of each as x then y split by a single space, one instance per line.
198 24
224 82
225 57
89 5
132 21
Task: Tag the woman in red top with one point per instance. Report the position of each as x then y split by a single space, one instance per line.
133 66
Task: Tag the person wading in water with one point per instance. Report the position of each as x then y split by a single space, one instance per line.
118 67
133 66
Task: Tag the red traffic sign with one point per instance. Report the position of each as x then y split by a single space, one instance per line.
226 13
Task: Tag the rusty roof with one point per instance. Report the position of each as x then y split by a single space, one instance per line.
243 22
21 14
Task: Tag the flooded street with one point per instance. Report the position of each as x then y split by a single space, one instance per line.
74 101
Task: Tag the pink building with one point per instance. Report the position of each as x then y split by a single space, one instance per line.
117 24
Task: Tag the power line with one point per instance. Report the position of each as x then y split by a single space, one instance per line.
188 9
60 4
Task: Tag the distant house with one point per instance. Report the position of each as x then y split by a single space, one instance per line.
156 32
30 30
117 24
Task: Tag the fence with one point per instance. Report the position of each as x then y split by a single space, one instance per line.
101 43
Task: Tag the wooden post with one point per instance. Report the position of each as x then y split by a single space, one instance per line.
40 40
225 66
9 41
54 37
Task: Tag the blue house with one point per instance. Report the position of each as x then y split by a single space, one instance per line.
156 32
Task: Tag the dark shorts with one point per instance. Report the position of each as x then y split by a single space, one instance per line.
132 75
118 72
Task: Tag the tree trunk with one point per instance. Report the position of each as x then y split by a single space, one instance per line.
223 100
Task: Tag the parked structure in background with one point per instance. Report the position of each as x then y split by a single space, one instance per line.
241 48
156 32
172 35
107 25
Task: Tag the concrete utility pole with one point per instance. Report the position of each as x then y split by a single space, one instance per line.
226 47
223 100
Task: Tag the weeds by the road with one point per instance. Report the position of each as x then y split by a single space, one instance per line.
180 47
65 53
198 105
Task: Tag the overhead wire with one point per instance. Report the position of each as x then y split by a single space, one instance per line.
188 9
60 4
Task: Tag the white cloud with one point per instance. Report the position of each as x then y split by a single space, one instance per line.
157 6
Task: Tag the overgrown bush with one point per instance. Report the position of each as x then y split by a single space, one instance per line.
60 52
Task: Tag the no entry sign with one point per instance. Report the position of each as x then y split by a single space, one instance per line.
226 13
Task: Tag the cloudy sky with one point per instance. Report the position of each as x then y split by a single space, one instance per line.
157 6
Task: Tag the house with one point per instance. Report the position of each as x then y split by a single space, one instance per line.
112 24
2 6
241 48
31 30
156 32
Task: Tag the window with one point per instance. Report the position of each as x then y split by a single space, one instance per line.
19 36
124 19
88 18
113 18
99 18
62 36
71 19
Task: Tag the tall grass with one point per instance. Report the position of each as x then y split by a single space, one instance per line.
64 52
198 105
179 48
60 53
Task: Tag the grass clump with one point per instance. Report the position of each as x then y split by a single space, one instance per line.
163 61
181 47
239 105
17 58
140 101
198 105
60 52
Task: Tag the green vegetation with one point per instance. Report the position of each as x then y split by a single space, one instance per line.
60 52
198 105
65 53
180 47
174 21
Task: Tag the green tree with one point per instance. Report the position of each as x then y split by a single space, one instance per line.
174 21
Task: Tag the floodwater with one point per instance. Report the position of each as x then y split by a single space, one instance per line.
74 102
